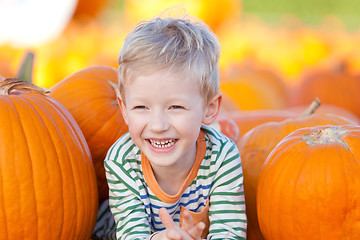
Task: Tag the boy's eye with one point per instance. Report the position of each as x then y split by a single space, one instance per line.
177 107
139 107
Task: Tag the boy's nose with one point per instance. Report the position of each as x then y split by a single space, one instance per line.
158 122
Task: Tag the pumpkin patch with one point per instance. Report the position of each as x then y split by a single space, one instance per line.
257 143
53 143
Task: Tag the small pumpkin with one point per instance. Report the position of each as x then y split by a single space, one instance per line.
327 108
253 87
226 126
228 104
246 120
309 187
257 143
90 95
48 183
336 86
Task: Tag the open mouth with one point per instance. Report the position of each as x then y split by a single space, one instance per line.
163 143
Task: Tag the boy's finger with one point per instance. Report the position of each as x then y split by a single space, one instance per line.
166 219
187 221
196 232
172 234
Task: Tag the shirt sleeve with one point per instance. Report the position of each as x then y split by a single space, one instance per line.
227 201
125 203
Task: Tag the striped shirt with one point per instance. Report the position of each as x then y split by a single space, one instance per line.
213 191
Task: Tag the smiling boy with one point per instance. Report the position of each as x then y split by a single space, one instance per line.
172 176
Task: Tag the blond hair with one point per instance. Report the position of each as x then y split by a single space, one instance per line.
174 44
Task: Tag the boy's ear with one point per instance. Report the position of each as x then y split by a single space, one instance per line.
123 109
212 109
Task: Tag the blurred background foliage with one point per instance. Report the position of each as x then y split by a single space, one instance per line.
309 12
261 39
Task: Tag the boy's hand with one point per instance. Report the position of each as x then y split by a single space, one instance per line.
173 232
188 226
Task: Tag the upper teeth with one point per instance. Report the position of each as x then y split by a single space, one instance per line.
162 144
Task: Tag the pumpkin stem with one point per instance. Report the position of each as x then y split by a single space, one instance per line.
9 84
311 109
325 136
25 71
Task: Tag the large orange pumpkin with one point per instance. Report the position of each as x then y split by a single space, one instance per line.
309 187
91 97
48 183
257 143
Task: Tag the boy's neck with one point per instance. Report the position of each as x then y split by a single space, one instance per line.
171 179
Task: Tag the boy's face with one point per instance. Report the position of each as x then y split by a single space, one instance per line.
164 113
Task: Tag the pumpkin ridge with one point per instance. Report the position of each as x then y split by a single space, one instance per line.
45 111
76 194
294 210
21 112
5 211
25 136
36 198
73 167
103 126
287 169
2 207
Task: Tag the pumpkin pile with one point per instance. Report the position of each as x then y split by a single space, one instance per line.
300 163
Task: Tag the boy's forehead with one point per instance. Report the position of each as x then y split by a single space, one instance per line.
166 76
165 79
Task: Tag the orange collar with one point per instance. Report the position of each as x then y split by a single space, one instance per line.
153 184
